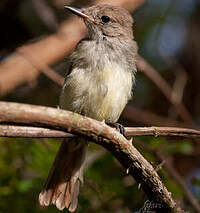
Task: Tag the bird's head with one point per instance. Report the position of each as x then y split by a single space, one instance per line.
106 21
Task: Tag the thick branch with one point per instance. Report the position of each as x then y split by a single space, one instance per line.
172 171
120 147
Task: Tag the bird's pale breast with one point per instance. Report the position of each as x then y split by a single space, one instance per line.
101 95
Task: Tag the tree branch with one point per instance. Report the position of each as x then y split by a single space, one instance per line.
31 132
100 133
172 171
39 132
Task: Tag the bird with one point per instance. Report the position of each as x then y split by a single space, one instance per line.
98 85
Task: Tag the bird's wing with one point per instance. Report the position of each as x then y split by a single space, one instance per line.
71 65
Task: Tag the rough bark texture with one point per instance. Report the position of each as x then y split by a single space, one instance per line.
134 163
38 132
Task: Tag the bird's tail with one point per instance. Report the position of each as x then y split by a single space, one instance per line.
62 185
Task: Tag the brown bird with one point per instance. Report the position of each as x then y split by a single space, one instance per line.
98 85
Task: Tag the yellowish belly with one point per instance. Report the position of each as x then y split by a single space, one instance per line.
100 95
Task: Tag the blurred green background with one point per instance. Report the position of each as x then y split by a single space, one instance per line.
168 36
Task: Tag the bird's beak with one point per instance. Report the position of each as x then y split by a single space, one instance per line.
79 12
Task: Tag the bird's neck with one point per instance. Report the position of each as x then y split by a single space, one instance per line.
99 53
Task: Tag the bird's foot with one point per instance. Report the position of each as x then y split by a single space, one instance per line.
119 128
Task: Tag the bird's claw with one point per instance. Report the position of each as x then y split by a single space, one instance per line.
119 128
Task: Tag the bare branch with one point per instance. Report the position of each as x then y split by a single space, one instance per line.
39 132
163 131
100 133
172 171
31 132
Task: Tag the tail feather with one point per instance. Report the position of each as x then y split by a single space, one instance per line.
62 185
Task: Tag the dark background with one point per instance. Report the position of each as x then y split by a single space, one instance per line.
168 36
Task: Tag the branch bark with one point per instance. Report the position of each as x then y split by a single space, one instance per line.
172 171
39 132
100 133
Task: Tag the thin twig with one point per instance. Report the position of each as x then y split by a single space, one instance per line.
39 132
31 132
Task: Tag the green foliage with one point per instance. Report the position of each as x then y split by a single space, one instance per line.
24 164
174 187
180 146
195 182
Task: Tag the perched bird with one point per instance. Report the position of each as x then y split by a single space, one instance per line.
98 85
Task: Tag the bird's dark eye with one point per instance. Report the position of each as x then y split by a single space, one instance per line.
105 19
